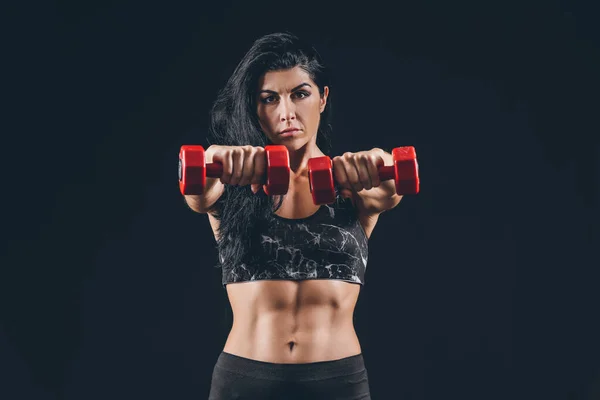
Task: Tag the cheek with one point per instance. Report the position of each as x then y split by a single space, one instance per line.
264 119
312 113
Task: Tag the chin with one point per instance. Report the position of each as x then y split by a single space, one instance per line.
291 141
294 143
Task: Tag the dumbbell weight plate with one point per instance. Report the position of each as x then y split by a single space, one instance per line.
320 179
406 170
278 170
192 170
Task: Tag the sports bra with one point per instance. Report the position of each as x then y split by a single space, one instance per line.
329 244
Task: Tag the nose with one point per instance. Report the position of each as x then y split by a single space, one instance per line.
287 110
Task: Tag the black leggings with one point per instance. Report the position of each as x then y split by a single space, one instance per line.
237 377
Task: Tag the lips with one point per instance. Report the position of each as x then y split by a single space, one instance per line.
289 130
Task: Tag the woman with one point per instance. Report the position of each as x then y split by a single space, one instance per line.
292 270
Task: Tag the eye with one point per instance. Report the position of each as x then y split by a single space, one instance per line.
267 100
302 94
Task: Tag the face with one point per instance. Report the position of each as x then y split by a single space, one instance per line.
289 99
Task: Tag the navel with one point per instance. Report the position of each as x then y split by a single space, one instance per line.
291 345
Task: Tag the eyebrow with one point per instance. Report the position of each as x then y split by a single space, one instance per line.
293 90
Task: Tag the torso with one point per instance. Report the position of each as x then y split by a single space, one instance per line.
294 321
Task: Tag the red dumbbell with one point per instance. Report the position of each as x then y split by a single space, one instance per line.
404 172
193 170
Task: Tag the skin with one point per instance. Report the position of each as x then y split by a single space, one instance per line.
311 320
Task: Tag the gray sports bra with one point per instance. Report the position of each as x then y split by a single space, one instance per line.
330 244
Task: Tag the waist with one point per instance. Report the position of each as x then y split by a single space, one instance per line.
311 335
291 372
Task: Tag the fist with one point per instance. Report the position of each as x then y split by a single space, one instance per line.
358 171
242 165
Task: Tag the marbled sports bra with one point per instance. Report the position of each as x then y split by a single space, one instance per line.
329 244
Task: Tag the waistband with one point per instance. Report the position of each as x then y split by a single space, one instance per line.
294 372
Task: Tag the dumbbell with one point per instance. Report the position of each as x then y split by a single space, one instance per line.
404 172
193 170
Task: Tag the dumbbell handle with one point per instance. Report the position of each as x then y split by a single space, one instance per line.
386 172
214 170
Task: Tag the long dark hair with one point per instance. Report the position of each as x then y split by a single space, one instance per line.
234 122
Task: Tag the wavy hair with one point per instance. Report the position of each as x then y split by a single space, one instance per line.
234 122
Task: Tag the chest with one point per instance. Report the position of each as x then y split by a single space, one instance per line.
298 202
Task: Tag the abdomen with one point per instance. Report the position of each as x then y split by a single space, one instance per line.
293 321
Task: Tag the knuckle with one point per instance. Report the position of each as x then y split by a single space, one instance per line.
259 156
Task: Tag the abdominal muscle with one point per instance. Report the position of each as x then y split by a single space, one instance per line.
293 322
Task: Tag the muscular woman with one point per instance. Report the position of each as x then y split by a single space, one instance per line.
292 270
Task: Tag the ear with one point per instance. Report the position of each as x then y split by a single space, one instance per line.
323 100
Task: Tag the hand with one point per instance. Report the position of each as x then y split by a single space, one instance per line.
242 165
358 171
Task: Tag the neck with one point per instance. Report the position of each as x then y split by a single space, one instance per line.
299 158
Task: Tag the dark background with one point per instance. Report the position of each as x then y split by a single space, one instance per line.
484 286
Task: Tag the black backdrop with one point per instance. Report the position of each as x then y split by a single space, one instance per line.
484 286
